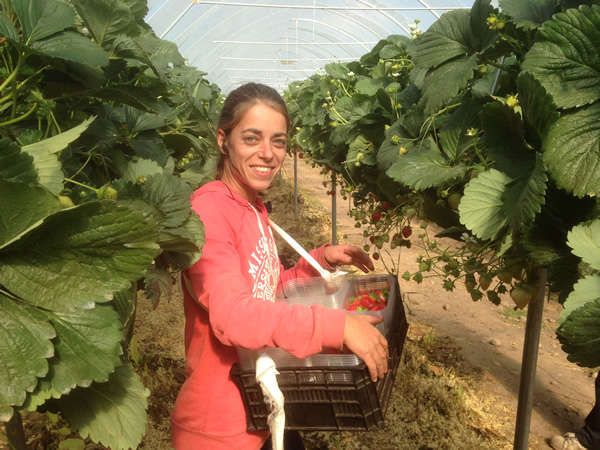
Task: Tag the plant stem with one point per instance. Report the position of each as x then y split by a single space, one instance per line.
17 119
81 184
14 73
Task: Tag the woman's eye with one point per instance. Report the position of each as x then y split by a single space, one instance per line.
251 139
280 142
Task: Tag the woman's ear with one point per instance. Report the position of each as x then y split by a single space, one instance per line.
221 142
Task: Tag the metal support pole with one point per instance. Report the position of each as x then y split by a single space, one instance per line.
533 328
333 209
295 186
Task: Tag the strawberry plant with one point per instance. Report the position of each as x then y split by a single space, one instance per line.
490 130
104 133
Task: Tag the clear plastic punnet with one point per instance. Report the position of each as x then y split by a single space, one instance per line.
331 295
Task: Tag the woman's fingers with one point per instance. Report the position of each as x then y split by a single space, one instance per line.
366 342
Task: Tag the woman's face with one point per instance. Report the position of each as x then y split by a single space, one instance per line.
256 148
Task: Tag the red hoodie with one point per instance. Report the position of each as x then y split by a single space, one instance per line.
239 268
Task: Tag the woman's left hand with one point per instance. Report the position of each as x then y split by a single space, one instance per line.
337 255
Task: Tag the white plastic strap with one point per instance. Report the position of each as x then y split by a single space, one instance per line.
312 261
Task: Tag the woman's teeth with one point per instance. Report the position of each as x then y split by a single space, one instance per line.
262 169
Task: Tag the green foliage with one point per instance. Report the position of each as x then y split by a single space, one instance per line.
490 129
99 120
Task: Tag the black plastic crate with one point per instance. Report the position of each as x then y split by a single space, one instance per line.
329 398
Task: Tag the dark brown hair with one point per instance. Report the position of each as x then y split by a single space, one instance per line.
239 101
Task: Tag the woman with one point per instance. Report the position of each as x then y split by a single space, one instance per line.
229 293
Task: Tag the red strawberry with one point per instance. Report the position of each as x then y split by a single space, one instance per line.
376 216
406 232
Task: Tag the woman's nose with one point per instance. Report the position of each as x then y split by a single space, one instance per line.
266 151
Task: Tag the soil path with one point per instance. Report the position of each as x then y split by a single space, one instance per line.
490 337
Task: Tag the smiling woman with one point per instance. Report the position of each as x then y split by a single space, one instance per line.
229 293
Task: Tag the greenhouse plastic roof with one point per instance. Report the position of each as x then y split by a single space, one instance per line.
278 41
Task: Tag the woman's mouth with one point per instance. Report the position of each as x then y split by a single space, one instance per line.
262 169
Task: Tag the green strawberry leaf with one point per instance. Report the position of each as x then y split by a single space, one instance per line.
150 145
584 239
454 136
25 346
524 196
107 19
481 36
135 96
112 413
125 303
566 56
424 168
369 86
443 41
585 290
45 157
71 46
8 29
87 349
528 15
446 81
82 255
481 208
198 172
361 145
16 165
339 71
24 206
140 167
505 139
389 149
572 151
539 111
42 18
546 241
579 335
171 195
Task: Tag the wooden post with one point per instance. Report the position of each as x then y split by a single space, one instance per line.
533 327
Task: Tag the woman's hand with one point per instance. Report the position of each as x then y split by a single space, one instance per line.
337 255
366 342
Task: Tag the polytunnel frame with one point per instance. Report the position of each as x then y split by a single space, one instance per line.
384 19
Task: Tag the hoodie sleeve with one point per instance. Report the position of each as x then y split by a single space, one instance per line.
236 317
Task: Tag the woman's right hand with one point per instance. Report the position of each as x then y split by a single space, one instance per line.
366 342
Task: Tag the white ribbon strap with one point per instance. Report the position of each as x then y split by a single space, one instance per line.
266 373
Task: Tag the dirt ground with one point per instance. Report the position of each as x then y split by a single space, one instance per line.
458 381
